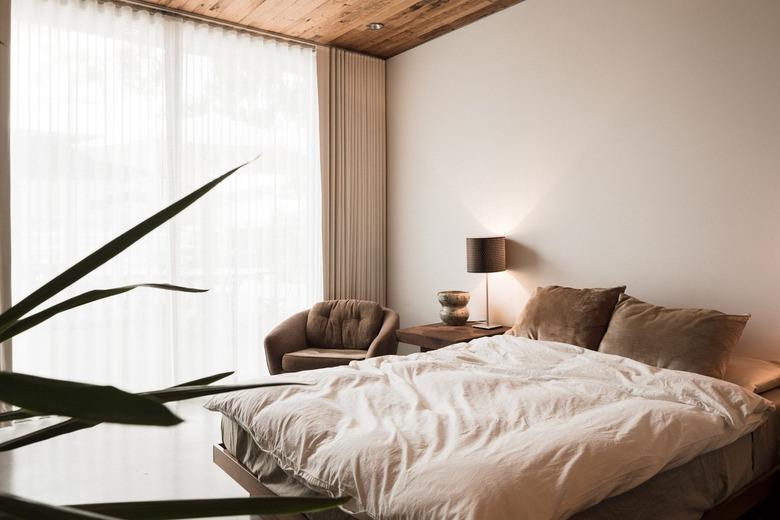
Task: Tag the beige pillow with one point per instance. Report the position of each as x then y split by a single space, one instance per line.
756 375
694 340
575 316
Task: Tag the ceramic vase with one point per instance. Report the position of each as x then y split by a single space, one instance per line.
453 307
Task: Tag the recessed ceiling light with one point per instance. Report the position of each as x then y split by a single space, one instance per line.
375 26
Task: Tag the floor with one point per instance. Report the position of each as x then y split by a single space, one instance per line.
120 463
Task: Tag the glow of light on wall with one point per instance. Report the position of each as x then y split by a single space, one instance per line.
503 208
507 297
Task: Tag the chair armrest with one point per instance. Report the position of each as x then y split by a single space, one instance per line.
288 336
385 343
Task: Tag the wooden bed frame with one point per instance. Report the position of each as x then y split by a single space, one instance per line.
747 498
244 478
732 508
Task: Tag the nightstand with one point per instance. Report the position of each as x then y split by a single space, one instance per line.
438 335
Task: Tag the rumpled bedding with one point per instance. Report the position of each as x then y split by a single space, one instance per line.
501 427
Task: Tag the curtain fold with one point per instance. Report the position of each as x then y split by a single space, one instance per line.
5 176
352 95
115 113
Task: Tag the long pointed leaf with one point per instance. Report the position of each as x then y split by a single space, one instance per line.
174 393
107 252
72 425
55 430
205 508
205 380
82 401
181 393
12 329
15 415
24 508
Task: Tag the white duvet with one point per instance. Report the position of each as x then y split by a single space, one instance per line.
501 427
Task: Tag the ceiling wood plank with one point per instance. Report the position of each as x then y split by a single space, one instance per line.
402 26
356 17
321 16
281 13
342 23
440 24
453 25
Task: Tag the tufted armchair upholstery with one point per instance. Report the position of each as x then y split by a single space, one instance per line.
331 333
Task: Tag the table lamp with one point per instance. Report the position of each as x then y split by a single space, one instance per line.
486 255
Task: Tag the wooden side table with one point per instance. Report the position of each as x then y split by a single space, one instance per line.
438 335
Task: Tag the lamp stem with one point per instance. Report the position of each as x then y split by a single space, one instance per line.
487 301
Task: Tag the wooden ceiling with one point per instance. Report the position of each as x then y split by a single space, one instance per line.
342 23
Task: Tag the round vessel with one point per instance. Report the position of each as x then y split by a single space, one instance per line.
453 307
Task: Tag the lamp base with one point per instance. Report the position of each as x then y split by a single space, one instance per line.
485 326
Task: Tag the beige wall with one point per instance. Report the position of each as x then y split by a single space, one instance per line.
612 141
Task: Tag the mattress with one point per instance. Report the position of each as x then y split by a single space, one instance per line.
682 493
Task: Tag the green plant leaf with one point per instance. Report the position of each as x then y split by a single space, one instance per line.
181 393
188 390
205 380
205 508
15 415
82 401
18 507
23 324
106 253
174 393
55 430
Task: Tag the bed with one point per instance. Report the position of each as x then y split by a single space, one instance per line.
506 427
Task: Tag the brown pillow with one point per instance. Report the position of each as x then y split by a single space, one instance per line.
694 340
575 316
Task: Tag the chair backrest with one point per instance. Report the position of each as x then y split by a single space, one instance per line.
343 324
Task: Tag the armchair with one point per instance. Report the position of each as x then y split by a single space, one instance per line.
331 333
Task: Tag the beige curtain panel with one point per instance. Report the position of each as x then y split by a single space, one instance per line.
5 175
353 153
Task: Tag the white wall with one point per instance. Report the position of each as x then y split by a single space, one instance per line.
612 141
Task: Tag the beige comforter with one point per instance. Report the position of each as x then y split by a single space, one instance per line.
502 427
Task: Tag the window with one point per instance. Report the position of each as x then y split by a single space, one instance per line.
117 112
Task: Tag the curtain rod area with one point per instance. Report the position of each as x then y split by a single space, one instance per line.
141 4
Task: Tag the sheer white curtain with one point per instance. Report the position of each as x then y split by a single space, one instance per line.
116 112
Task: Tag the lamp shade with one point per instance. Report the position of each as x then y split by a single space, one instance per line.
485 255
